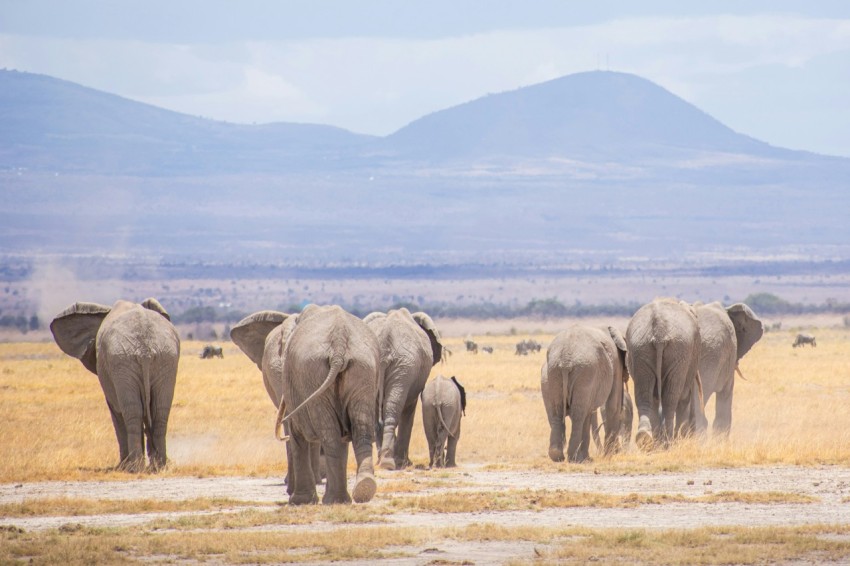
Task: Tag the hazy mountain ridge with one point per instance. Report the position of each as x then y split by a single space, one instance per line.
595 117
595 166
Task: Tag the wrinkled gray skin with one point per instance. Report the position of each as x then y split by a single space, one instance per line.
663 343
726 335
442 408
331 372
133 349
625 435
410 345
584 370
262 336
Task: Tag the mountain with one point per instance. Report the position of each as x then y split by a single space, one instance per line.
596 116
56 125
587 168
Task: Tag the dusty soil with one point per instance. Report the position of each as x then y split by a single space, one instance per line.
829 485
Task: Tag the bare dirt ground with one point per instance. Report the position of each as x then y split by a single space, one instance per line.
829 486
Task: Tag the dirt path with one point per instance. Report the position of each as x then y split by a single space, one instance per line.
830 486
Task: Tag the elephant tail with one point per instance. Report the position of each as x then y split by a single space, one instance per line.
337 363
440 410
659 355
146 394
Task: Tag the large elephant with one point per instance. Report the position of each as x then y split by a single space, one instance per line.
331 374
262 336
133 349
663 343
726 335
443 404
410 345
585 369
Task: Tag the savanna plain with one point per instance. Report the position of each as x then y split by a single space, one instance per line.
776 491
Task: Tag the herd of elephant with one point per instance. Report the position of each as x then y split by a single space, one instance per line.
338 380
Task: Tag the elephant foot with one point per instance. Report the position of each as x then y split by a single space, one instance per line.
340 499
402 464
644 440
303 499
556 455
387 464
364 487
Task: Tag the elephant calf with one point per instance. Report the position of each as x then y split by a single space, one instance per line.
133 349
585 369
443 403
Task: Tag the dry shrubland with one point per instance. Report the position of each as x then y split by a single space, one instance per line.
791 409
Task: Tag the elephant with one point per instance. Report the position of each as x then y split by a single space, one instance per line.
585 369
663 342
625 434
262 336
803 339
211 351
726 335
410 345
331 375
443 404
134 350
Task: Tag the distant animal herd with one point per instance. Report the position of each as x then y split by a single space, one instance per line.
339 382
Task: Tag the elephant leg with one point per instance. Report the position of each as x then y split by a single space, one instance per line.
135 460
429 424
557 429
440 453
288 481
317 462
336 459
156 444
405 428
365 485
301 473
451 449
161 396
684 427
120 433
723 414
579 422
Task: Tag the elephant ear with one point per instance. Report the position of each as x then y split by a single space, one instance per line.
153 305
250 333
75 331
617 337
424 321
748 327
462 395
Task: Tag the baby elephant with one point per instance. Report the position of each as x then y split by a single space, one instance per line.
443 403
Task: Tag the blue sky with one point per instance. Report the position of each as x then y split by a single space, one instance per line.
775 70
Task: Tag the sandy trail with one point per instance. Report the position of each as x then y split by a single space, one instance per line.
829 485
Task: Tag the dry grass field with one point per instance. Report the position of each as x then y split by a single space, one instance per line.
778 490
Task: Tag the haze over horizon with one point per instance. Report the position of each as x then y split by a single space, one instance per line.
775 71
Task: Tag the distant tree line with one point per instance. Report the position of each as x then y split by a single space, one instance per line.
20 322
762 303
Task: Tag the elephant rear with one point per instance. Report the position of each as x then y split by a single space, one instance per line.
663 356
443 404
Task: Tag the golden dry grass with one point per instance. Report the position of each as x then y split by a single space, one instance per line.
792 410
717 545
